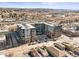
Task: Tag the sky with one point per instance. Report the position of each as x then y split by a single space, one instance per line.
51 5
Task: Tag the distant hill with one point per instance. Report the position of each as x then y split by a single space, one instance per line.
39 10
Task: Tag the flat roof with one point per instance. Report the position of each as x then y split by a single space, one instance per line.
51 24
30 26
26 26
2 30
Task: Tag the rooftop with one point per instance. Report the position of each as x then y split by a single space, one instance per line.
20 25
29 26
26 26
3 30
51 24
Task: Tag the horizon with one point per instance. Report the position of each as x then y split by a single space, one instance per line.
42 5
